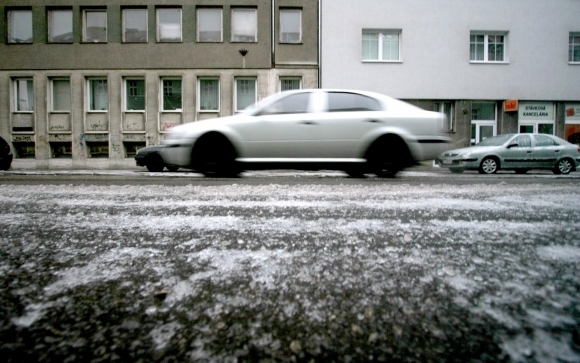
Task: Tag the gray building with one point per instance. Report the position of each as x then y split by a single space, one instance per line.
493 66
86 84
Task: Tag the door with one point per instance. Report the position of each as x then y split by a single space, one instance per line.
519 153
547 150
483 121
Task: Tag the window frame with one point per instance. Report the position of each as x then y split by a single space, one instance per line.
201 9
10 25
53 94
16 90
158 25
199 94
124 25
85 29
573 44
291 10
51 22
126 89
236 84
382 33
440 107
486 47
162 93
290 78
90 95
233 37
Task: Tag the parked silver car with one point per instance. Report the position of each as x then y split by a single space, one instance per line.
355 131
518 152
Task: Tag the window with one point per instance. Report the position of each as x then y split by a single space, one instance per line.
209 25
171 94
20 26
135 25
60 26
134 95
522 141
574 55
61 150
245 93
447 109
487 48
60 91
209 94
169 25
381 45
98 94
24 95
544 141
350 102
296 103
95 26
244 25
290 26
290 83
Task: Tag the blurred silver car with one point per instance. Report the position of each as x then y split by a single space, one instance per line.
518 152
355 131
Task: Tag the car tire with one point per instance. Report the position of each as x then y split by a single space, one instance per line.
172 168
521 171
456 170
214 156
563 166
489 165
154 163
387 155
5 166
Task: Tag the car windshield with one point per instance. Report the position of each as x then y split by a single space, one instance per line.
496 140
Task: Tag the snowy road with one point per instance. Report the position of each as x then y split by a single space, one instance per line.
484 272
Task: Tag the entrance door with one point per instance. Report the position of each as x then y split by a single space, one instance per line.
483 121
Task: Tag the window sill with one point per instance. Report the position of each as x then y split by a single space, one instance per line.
487 62
382 61
133 132
210 41
134 111
59 112
98 111
24 112
169 41
171 111
292 43
68 132
208 111
93 42
574 63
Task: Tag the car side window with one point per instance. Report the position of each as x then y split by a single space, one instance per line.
544 141
522 141
296 103
351 102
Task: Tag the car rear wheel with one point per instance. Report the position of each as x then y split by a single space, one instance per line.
489 165
456 170
563 166
215 156
387 156
154 163
4 166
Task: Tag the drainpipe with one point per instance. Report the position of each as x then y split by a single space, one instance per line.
319 43
273 34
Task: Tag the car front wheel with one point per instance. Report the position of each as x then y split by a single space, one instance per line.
154 163
488 165
563 166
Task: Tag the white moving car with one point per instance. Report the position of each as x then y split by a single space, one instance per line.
355 131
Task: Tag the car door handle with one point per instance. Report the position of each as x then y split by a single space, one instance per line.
556 151
308 123
529 151
373 121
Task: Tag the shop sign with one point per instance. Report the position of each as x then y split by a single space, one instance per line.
536 111
573 113
510 105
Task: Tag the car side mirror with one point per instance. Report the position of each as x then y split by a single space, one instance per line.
512 145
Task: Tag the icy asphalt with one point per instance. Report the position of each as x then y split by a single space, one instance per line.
372 271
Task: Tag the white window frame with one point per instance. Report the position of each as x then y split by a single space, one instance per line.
126 91
478 123
199 17
287 41
53 95
86 13
162 93
486 45
255 35
90 95
16 82
440 107
199 94
13 22
125 17
290 78
52 24
382 33
574 43
236 85
157 15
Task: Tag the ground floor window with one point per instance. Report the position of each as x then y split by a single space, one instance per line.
447 109
61 150
98 149
24 150
536 128
209 94
246 94
290 83
536 117
131 148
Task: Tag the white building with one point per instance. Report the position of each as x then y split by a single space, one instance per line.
494 66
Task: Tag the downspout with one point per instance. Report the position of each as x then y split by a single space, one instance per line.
273 51
319 43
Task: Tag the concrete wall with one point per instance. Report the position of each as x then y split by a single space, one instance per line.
435 48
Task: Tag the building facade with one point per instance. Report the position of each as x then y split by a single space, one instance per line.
86 84
493 66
